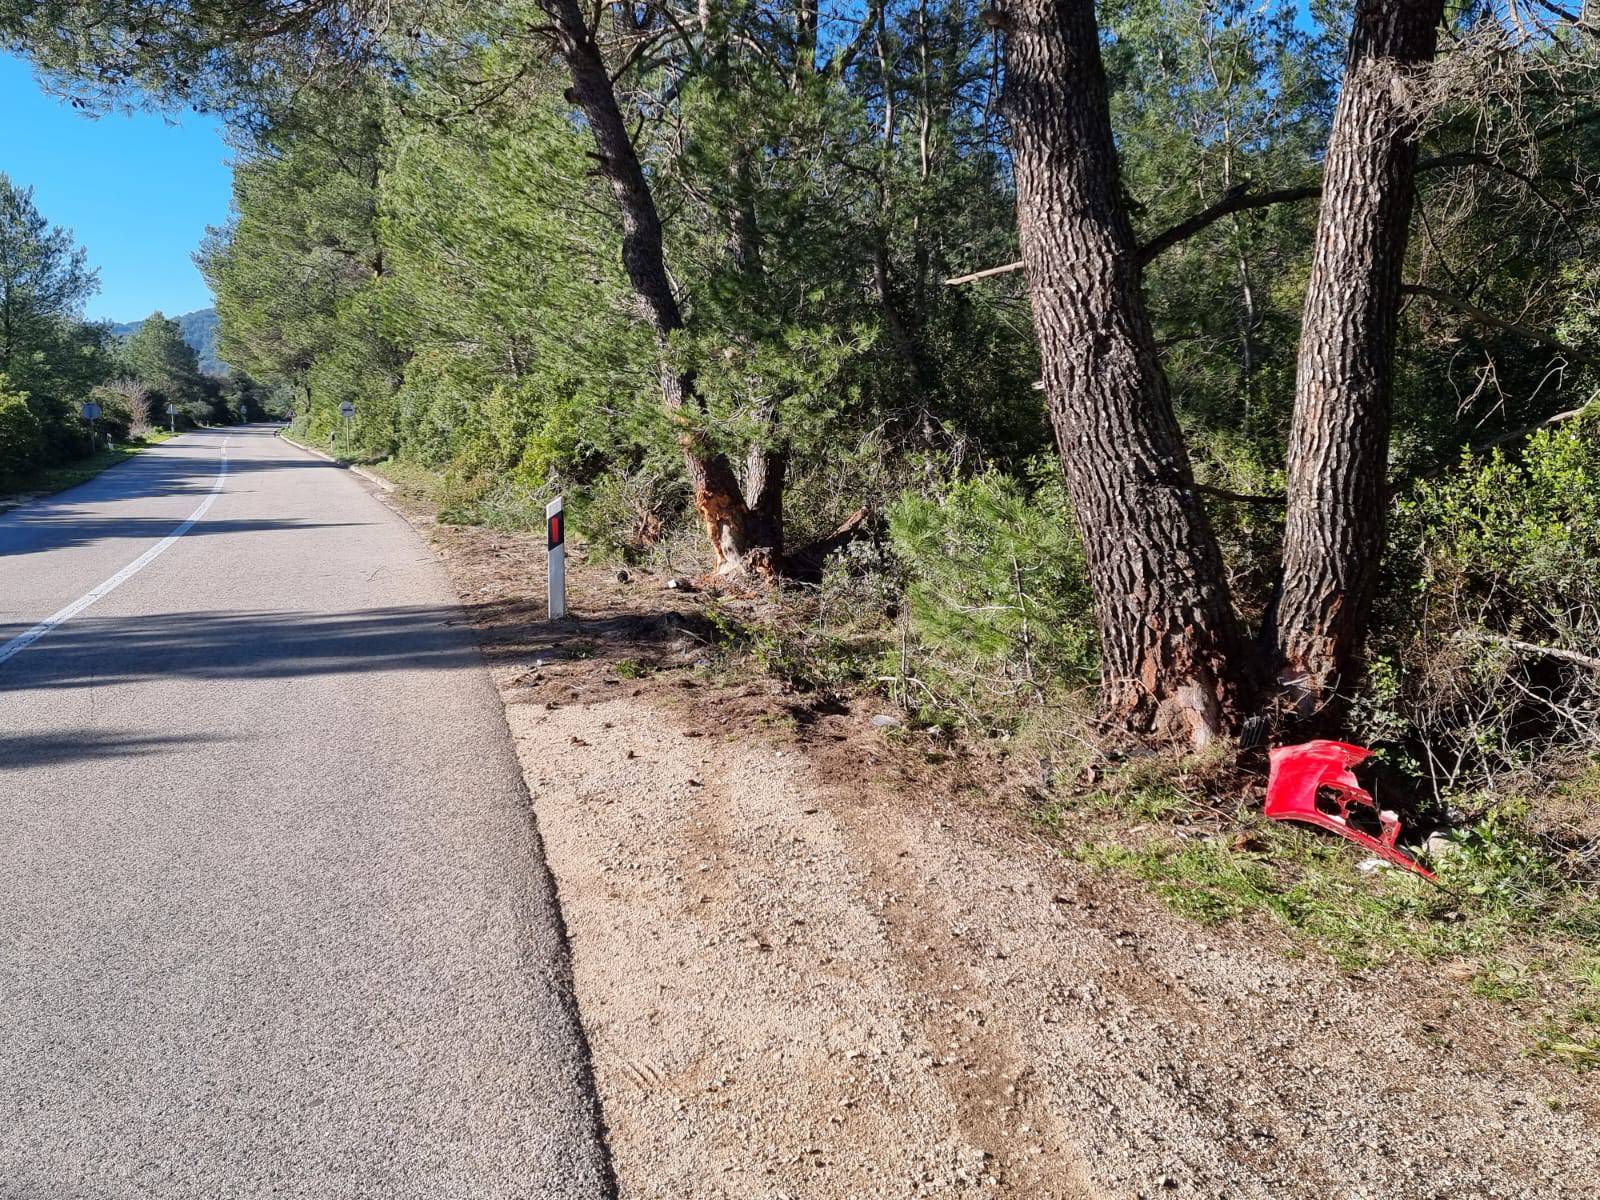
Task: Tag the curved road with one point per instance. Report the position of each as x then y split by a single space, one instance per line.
274 917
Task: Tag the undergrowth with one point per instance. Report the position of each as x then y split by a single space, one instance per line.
1515 914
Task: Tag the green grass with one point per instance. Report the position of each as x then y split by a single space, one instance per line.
409 477
59 478
1514 917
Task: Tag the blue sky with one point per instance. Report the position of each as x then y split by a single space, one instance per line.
137 192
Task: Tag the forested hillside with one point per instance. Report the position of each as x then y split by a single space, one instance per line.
1161 371
199 330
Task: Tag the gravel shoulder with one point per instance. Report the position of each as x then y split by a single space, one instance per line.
812 964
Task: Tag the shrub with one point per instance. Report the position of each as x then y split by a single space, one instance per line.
999 602
1493 603
20 436
127 406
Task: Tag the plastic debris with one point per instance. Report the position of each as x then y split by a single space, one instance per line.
1312 782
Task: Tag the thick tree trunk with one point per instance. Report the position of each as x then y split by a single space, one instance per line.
764 478
767 458
716 488
1339 439
1173 658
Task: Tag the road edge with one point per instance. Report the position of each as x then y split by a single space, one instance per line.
369 476
11 501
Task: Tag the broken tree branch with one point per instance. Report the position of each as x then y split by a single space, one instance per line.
1496 639
1207 489
1005 269
1523 431
806 563
1484 317
1499 439
1241 199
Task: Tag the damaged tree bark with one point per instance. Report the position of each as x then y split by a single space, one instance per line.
717 497
1339 440
1173 657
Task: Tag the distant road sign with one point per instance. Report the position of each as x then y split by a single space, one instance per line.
172 410
347 409
91 411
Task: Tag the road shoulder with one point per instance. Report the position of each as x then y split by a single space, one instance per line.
814 963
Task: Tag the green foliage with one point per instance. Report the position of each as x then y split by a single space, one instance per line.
1521 532
1498 552
47 351
526 360
159 357
998 595
20 436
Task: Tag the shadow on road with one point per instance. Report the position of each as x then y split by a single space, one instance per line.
58 522
52 749
66 531
91 652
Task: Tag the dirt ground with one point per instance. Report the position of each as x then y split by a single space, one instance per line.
812 965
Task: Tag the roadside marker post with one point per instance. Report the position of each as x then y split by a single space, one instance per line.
555 524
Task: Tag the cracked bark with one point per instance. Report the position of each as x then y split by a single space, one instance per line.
1175 665
1339 438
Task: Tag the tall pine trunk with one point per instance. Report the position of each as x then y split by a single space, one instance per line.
716 488
1173 657
1339 439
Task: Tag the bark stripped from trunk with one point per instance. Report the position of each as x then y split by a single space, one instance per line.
1339 440
764 478
766 458
1172 654
716 489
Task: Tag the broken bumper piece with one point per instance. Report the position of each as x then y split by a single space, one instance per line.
1312 782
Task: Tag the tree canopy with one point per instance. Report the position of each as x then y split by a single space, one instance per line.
757 263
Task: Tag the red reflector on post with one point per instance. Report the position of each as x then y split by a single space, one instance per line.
556 532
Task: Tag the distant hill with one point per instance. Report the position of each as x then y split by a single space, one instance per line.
199 330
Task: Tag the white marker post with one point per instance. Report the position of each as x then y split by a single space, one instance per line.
555 525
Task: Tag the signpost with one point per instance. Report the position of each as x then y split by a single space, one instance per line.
347 410
91 414
172 416
555 543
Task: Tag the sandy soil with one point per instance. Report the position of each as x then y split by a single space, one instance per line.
809 968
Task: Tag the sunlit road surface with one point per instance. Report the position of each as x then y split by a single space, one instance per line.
274 917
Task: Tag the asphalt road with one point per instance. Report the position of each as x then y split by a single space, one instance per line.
274 916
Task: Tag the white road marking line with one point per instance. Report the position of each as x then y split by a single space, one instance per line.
23 640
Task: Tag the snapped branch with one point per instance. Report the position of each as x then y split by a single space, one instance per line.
1484 317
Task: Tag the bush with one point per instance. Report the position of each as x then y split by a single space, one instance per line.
125 408
999 603
21 437
1495 587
